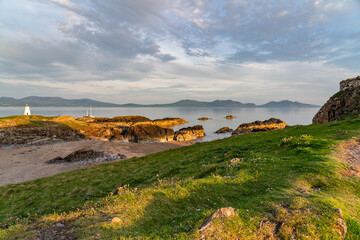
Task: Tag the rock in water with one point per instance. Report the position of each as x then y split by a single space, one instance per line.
204 118
148 133
343 105
260 126
224 130
230 117
189 133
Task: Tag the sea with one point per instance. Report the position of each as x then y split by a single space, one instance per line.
292 116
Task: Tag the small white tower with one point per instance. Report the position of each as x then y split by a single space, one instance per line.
27 110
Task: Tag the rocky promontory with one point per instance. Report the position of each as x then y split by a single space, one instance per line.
260 126
40 130
345 104
189 133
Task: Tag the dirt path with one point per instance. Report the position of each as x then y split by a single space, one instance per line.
28 163
349 152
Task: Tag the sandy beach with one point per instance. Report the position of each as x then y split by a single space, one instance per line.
29 163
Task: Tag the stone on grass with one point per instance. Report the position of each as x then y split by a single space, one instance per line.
115 220
220 213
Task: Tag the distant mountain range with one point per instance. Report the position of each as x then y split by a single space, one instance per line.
34 101
52 102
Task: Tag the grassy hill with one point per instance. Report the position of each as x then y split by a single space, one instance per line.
283 184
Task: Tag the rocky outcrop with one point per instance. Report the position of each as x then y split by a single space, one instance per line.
230 117
148 133
224 130
204 118
189 133
86 156
350 83
343 105
136 133
38 133
133 120
260 126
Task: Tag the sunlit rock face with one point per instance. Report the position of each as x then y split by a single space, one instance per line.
134 120
260 126
189 133
131 128
343 105
148 133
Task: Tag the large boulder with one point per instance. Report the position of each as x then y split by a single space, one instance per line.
343 105
189 133
260 126
148 133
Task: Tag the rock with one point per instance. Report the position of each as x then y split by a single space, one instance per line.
343 105
224 130
260 126
339 211
116 220
220 213
169 122
189 133
59 225
148 133
86 156
341 227
350 83
130 119
42 132
230 117
204 118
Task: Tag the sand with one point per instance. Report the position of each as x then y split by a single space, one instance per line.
29 163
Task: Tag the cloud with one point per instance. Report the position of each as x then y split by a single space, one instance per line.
180 48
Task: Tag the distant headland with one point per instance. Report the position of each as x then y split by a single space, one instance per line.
35 101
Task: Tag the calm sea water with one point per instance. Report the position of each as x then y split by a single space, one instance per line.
292 116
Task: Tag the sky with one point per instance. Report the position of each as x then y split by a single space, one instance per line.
161 51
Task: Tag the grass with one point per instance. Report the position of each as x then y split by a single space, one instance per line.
283 184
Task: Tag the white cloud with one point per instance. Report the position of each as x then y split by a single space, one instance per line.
244 50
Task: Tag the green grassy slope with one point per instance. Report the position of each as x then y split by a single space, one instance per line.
282 184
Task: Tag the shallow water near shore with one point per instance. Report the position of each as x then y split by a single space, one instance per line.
292 116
